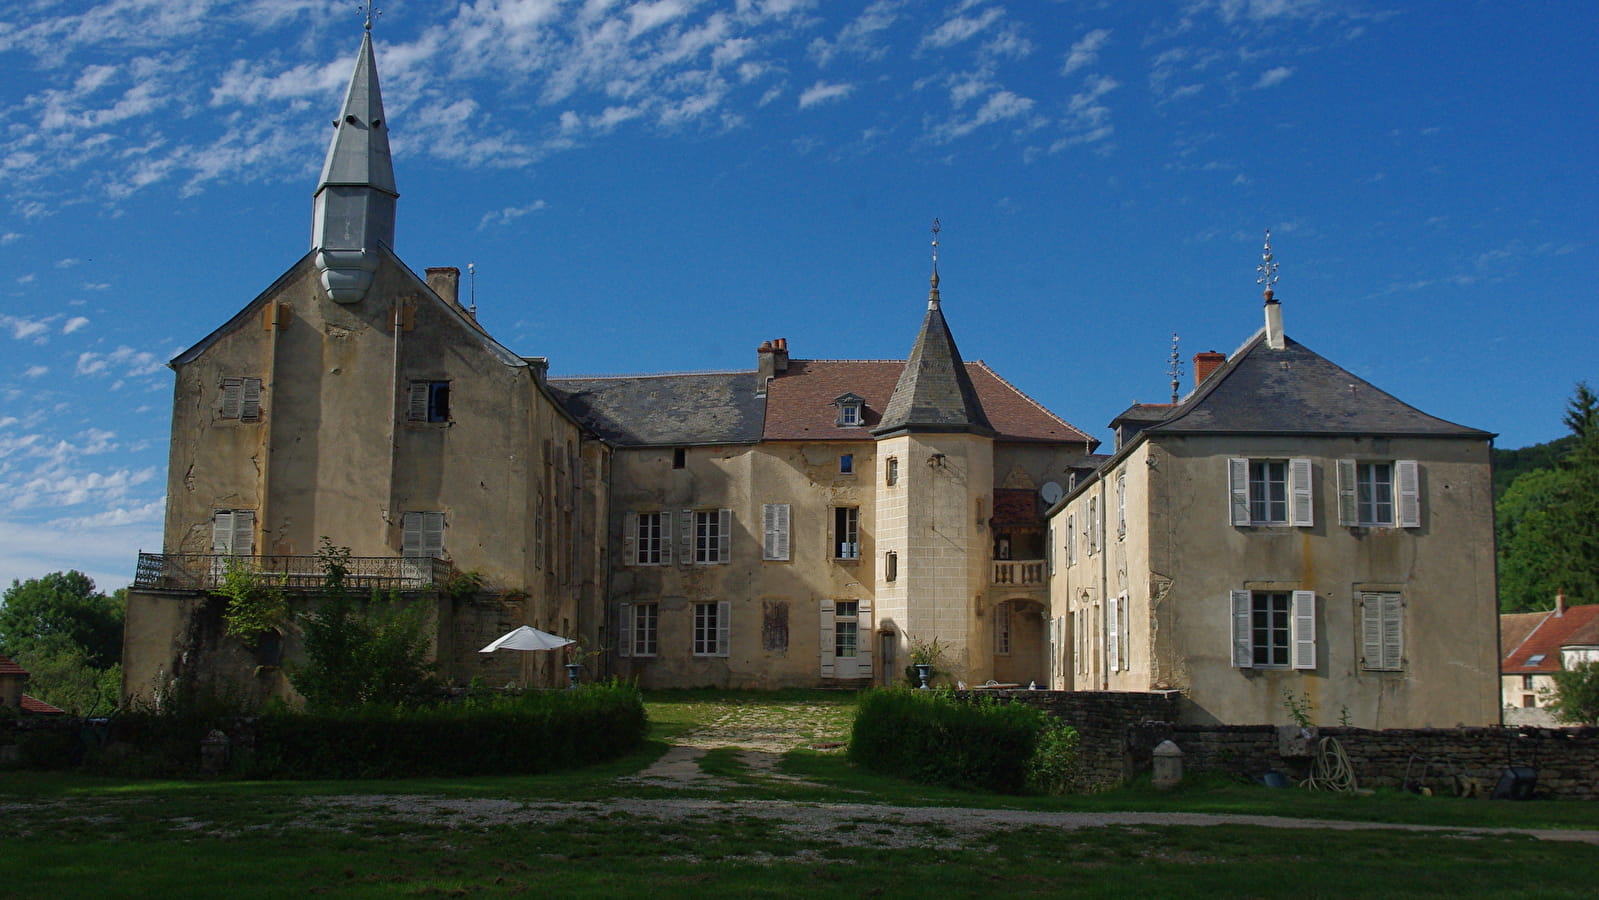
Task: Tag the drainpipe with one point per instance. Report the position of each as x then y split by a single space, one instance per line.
397 322
276 316
1104 587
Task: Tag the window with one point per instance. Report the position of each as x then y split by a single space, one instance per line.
422 534
1270 491
1526 682
849 415
1121 505
241 399
1382 631
851 410
640 629
1002 629
711 628
1274 629
679 457
1116 622
649 539
846 629
709 532
846 532
1379 494
233 532
846 464
843 653
891 471
891 566
429 402
774 528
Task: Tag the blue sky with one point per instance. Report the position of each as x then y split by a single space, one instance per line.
662 185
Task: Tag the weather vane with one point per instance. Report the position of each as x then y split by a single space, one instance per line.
936 229
1267 267
370 13
1176 370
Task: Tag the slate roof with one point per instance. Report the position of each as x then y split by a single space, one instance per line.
666 410
359 152
1296 391
1579 625
799 402
934 392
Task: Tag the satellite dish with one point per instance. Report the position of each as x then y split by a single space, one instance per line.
1051 492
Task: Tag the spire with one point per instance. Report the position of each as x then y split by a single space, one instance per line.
934 392
355 198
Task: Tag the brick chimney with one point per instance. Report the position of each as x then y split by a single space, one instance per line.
1205 364
771 360
1560 602
446 282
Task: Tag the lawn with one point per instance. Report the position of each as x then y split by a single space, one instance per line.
813 825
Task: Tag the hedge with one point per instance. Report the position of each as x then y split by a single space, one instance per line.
932 737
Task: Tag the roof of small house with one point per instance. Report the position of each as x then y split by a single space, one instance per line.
1539 651
1293 391
35 706
666 410
8 667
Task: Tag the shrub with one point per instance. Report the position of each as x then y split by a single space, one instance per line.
932 737
1052 769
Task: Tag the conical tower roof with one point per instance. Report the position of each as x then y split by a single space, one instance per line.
359 153
934 392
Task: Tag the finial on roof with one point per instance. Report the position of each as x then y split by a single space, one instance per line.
1176 368
932 294
1267 268
370 13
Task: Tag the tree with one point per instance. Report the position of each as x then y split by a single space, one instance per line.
1582 412
1548 521
1576 697
63 605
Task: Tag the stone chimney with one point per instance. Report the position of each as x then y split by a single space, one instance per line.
1205 364
1560 603
771 360
446 282
1274 322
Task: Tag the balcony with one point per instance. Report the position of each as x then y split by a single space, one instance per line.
1020 572
204 571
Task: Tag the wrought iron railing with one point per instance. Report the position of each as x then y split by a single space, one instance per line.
1019 571
204 571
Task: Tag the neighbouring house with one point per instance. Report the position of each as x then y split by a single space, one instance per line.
1286 535
13 678
1536 645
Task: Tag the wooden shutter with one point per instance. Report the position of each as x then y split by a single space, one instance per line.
250 399
1071 540
1299 479
724 534
1049 550
630 544
1348 512
863 639
624 645
686 527
222 531
666 537
1243 645
1303 630
433 534
232 395
1113 639
411 535
1238 490
1121 505
1371 631
417 403
1126 635
1407 478
1393 648
824 639
774 525
724 627
1382 631
243 532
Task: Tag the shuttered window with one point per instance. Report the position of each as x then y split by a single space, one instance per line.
774 530
640 629
712 628
428 401
241 399
233 532
1382 645
709 535
422 534
1379 494
648 538
1270 492
1274 629
1113 634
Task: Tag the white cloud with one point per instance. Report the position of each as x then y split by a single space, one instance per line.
29 278
961 28
10 237
1273 77
509 214
73 324
997 108
128 362
1086 51
822 92
25 329
36 372
859 37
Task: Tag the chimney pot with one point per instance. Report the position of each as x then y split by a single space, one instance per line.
446 282
1205 364
1560 602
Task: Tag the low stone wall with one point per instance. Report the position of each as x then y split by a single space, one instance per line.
1441 760
1103 720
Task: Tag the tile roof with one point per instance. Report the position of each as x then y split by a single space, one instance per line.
7 667
799 403
666 410
934 392
1296 391
38 707
1539 652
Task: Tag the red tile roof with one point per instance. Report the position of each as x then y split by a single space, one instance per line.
7 667
37 707
1539 652
799 402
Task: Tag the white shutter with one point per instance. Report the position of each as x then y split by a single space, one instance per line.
1071 540
1113 638
222 532
685 525
824 639
1238 489
630 546
1055 667
433 534
1408 477
1304 630
774 526
665 518
624 646
417 404
1126 649
1393 647
1348 513
1243 645
232 392
250 399
1371 630
724 534
1049 550
1093 525
863 640
411 535
243 532
1299 478
724 627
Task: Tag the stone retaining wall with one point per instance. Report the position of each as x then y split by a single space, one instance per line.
1103 720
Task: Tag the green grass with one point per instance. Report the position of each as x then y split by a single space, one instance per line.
70 836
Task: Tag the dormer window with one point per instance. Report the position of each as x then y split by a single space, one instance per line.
851 410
